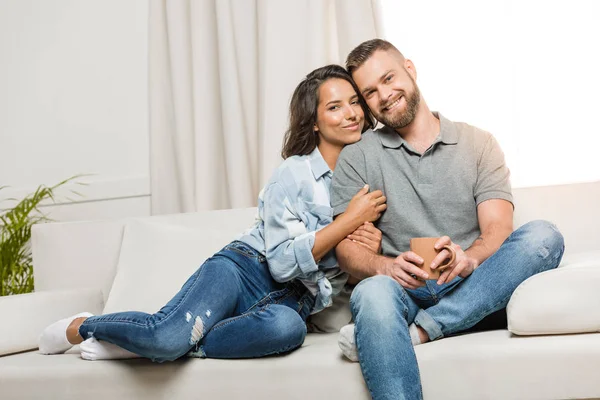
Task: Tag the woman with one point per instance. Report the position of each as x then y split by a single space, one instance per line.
252 298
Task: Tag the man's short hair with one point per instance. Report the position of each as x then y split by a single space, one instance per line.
364 51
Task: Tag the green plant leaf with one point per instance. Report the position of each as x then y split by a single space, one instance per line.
16 263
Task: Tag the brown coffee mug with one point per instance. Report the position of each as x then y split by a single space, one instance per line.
424 248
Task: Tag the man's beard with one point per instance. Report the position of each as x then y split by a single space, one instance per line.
399 119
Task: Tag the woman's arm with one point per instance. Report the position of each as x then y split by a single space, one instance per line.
364 207
291 249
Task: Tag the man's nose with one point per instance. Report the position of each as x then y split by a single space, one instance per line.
384 95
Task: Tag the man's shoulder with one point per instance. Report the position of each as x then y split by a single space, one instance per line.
368 141
475 141
471 133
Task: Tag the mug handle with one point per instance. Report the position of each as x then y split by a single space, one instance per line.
452 257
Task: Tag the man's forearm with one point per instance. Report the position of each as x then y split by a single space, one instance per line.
488 242
359 262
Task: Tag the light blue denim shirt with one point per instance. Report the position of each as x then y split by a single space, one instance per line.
292 207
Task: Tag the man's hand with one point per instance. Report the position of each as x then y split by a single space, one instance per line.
462 266
367 235
405 271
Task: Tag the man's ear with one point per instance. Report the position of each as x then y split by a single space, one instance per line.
410 67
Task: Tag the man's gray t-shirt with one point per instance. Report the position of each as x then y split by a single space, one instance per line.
428 195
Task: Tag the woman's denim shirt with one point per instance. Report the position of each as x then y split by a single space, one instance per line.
292 207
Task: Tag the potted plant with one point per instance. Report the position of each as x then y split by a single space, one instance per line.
16 268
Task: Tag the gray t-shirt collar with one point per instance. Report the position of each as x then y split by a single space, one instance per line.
448 134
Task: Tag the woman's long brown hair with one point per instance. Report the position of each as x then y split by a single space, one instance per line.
300 137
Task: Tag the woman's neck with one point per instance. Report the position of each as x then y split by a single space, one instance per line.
330 153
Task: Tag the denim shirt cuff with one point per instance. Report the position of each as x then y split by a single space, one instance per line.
303 251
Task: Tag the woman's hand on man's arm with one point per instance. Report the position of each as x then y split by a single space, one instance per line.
367 235
364 207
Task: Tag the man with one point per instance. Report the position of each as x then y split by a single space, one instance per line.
442 179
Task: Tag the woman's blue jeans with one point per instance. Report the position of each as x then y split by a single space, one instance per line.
383 309
229 308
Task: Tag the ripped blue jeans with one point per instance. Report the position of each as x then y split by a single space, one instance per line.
229 308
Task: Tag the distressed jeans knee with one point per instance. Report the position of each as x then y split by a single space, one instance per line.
171 341
543 238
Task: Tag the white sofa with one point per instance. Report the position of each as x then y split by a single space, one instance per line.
75 265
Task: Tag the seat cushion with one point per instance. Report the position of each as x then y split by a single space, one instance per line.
499 365
487 365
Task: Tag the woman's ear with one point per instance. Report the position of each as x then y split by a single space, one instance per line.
315 128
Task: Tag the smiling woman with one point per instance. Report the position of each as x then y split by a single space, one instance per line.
275 274
505 67
340 116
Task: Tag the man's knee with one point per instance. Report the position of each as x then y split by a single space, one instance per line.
378 297
545 240
372 289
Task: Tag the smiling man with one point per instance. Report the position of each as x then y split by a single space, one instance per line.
442 179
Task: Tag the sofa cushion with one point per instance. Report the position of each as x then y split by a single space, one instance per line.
581 259
333 318
24 316
490 365
156 260
564 300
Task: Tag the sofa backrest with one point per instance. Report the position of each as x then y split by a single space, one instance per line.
574 208
85 254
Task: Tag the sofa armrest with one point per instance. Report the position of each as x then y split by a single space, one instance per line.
25 316
560 301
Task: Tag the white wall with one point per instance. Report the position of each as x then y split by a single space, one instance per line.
74 100
525 70
74 90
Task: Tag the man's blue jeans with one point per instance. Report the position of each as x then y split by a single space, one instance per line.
383 309
229 308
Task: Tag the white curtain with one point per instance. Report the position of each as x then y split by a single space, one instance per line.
221 76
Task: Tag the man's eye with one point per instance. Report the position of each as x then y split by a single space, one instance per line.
389 78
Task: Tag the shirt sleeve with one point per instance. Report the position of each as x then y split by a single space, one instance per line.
288 242
493 176
348 178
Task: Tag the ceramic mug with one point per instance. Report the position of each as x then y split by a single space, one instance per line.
424 248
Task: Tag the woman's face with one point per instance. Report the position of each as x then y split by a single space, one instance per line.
340 118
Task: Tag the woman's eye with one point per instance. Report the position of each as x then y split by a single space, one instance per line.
354 102
389 78
333 108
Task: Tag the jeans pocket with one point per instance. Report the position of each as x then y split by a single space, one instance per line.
245 250
274 297
305 305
